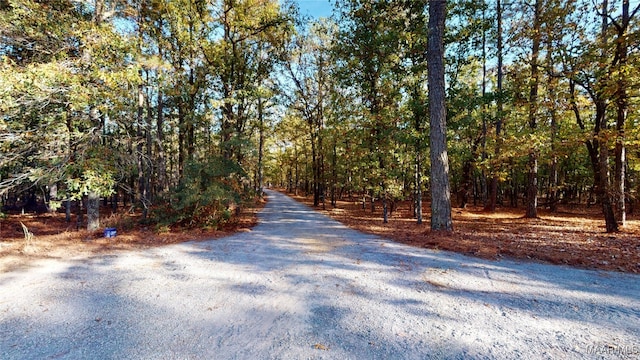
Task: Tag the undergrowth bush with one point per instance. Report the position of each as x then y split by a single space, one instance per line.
119 221
206 195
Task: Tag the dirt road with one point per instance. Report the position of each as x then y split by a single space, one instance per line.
301 286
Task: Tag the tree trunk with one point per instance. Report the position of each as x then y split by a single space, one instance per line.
603 191
297 171
72 157
141 189
373 201
321 175
93 211
418 192
532 186
259 180
592 145
621 116
419 113
485 109
385 206
162 181
68 208
553 169
149 164
52 196
440 190
334 172
466 182
181 141
620 170
493 185
532 183
191 111
314 165
79 220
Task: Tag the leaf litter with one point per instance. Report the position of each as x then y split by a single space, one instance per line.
574 235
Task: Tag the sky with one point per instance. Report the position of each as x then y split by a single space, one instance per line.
315 8
322 8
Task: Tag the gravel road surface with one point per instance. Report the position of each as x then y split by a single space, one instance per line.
302 286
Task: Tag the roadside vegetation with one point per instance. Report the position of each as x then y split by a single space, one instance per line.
171 116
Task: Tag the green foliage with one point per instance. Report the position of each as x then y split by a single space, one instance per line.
54 205
206 196
132 99
60 75
91 181
96 172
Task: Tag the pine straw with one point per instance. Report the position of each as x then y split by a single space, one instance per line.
55 238
574 235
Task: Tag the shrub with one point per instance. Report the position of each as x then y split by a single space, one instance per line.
205 195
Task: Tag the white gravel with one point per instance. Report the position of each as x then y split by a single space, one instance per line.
302 286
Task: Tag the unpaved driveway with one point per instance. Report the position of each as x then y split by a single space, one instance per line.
303 286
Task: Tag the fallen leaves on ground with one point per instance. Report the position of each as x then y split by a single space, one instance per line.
574 235
53 237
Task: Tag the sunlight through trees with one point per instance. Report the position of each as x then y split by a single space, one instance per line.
183 109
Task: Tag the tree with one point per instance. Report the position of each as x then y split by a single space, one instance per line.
69 70
469 98
622 72
308 71
492 198
532 186
135 101
413 69
590 68
72 65
440 190
253 32
368 51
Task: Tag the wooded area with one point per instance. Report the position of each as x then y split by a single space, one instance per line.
184 110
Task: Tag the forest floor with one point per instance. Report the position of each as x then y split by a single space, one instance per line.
574 235
54 237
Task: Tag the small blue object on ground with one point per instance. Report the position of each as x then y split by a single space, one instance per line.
110 232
